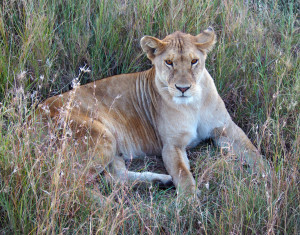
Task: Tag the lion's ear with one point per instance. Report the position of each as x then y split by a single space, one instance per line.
152 46
206 40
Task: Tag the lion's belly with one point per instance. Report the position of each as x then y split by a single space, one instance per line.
136 138
133 146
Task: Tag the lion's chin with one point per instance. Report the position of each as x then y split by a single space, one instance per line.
183 99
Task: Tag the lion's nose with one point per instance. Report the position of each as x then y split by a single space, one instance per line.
182 88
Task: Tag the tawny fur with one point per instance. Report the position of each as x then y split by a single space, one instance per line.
161 111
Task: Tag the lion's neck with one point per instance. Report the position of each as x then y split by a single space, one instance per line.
146 94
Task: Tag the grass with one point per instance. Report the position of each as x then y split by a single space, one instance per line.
255 65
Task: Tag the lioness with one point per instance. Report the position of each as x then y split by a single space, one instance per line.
162 111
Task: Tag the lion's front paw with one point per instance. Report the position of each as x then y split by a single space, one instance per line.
188 191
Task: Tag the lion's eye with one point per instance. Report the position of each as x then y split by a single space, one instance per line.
194 61
169 62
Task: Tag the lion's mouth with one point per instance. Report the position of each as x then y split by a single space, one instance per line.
182 99
183 96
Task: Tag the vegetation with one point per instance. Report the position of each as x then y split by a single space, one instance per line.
255 65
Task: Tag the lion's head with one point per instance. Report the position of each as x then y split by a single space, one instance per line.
179 61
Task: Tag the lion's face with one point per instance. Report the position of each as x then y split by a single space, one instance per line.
179 61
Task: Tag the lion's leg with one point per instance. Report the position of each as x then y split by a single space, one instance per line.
97 144
177 165
234 139
120 172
